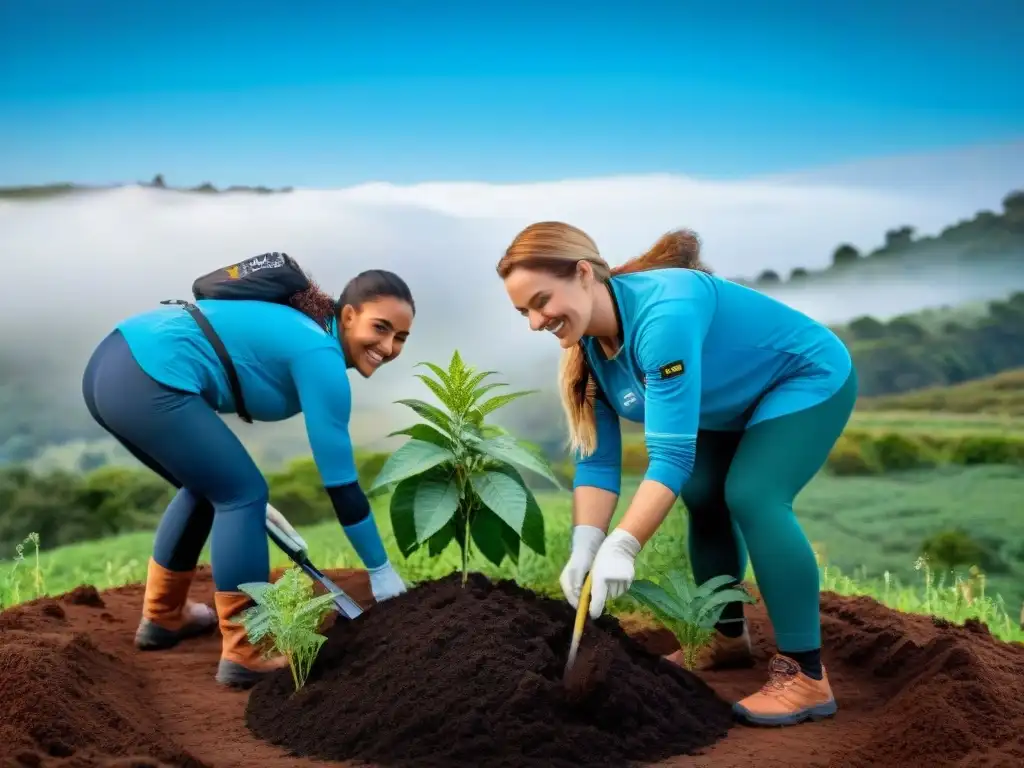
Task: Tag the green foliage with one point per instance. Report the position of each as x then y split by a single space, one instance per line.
10 587
459 478
287 617
689 611
952 549
908 353
872 528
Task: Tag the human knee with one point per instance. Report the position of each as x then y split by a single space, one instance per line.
252 495
748 500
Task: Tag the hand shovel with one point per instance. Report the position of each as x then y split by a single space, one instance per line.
581 619
292 544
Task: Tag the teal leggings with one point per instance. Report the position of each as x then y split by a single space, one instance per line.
740 499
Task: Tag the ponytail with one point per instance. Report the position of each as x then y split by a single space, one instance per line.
578 389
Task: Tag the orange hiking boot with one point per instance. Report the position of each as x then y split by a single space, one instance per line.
726 653
168 616
789 697
242 664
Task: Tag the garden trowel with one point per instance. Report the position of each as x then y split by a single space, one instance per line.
288 539
581 620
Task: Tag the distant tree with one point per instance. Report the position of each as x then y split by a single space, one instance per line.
768 277
1013 208
906 328
158 181
798 273
899 238
868 328
845 254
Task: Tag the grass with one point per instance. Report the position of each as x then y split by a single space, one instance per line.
867 531
999 397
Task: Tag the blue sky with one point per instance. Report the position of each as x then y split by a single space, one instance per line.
325 94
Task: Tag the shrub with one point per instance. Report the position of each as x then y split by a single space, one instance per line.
848 457
896 451
986 449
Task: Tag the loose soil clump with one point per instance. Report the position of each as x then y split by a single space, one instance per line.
447 675
911 691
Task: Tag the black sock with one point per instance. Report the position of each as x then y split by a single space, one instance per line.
809 661
731 623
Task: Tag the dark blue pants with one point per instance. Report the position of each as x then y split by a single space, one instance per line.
181 438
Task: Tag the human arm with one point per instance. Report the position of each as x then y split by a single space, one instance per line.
668 350
596 488
321 380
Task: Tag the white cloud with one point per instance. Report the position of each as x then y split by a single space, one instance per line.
74 266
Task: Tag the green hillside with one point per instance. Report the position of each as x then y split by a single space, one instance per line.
985 237
1000 395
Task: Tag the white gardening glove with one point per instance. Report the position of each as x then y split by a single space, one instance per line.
613 570
585 542
385 582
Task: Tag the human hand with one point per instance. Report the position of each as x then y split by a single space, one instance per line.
613 570
385 582
586 539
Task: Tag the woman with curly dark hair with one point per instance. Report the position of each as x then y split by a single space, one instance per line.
158 383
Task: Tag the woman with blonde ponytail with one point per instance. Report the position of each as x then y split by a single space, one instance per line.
741 398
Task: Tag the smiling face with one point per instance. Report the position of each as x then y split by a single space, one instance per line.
561 305
375 333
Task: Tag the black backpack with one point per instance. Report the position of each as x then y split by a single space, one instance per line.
273 277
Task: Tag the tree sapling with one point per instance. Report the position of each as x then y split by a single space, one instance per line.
690 612
289 616
458 477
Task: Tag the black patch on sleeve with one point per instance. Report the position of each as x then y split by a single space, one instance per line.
671 370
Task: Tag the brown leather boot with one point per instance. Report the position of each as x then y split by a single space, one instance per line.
242 664
168 617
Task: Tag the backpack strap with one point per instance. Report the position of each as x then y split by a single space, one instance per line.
222 353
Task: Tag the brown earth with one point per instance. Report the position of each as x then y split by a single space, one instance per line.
75 693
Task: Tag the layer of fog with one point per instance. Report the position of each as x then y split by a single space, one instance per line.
74 266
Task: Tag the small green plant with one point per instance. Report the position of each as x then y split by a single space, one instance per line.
688 611
458 477
289 616
10 594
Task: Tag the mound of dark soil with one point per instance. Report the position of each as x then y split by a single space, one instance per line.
447 675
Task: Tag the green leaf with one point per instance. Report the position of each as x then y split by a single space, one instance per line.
403 515
257 590
435 503
507 449
705 590
426 433
439 541
533 525
502 400
658 600
503 495
513 543
717 603
413 458
441 374
431 413
449 398
485 529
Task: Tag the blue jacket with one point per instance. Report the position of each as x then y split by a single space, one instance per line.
286 364
700 352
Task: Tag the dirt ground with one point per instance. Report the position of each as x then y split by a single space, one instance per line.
74 692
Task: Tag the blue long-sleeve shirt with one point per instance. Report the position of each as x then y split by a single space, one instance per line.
286 364
700 352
